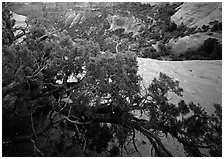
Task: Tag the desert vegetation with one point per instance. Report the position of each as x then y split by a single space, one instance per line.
45 113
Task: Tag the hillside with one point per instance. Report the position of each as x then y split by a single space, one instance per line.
193 41
198 14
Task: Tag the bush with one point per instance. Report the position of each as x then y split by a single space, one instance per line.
205 28
172 27
216 26
149 52
210 50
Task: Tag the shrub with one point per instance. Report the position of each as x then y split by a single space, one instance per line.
210 50
172 27
216 26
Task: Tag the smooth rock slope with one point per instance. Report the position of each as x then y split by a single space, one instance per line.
201 80
197 14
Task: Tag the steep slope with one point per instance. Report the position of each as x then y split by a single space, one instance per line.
198 14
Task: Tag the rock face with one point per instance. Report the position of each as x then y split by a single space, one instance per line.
182 44
20 22
73 18
198 14
129 24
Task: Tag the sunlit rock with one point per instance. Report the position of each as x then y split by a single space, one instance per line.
198 14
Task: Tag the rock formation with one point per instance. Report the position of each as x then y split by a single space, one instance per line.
129 24
198 14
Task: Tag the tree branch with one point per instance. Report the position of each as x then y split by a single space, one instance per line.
36 149
133 139
149 134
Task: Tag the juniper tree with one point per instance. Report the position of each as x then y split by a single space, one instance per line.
44 114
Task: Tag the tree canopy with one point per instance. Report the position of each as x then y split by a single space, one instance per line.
45 113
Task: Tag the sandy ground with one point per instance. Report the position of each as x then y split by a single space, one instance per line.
201 81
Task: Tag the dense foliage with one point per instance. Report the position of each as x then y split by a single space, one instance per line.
211 49
47 114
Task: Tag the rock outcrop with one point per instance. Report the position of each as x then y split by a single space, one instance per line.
73 18
20 22
194 14
129 24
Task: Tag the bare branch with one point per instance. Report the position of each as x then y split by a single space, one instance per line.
133 139
77 122
66 104
151 135
31 119
36 149
38 71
